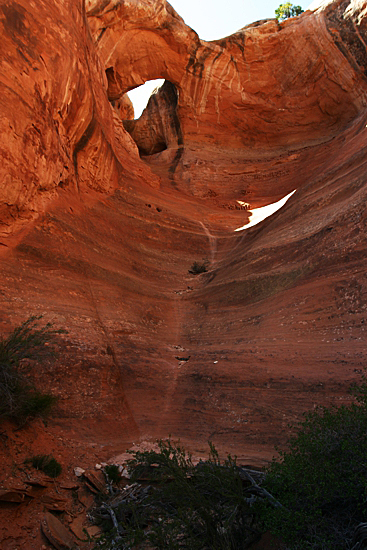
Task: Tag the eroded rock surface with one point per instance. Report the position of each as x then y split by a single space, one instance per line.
103 216
252 103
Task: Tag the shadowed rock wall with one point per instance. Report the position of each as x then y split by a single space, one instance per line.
100 227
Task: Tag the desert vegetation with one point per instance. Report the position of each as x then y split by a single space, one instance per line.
19 399
313 496
174 504
321 479
45 463
284 11
199 267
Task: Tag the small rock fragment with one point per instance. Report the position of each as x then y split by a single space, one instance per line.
58 535
91 488
41 481
55 503
85 498
96 479
77 527
70 486
94 531
9 495
78 471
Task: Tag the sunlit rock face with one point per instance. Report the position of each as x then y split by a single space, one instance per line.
251 103
103 216
159 128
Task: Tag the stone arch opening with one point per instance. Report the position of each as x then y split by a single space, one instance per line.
140 96
129 104
158 128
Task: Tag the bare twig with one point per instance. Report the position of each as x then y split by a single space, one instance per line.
260 490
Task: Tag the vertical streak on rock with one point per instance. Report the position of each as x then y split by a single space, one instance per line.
82 143
175 163
212 243
109 343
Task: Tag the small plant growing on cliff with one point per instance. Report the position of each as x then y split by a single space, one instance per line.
198 268
287 10
46 463
19 399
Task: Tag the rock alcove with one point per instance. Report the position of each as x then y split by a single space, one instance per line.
103 219
158 128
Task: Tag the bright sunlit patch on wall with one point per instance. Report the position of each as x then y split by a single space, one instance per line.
259 214
140 96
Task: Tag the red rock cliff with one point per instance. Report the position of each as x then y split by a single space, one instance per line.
103 217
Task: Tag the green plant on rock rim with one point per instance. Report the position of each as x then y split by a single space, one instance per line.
19 399
284 11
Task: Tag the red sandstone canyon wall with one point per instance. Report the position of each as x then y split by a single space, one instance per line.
103 216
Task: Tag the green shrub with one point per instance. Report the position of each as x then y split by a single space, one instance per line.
198 268
184 507
113 473
46 463
314 497
287 10
321 479
37 404
19 399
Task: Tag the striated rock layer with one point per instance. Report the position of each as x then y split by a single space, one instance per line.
103 216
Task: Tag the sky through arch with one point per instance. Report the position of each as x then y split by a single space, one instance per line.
212 20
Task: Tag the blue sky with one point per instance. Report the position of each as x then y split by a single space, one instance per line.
212 19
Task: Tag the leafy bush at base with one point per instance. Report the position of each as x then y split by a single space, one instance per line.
19 400
314 497
185 506
321 479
